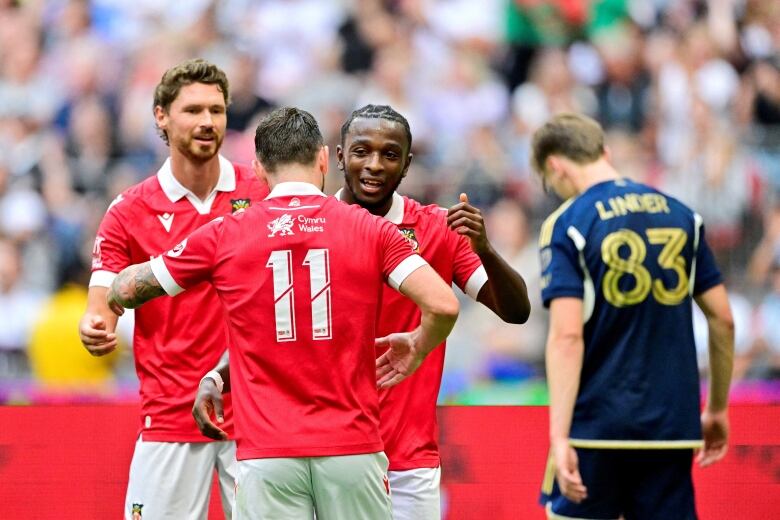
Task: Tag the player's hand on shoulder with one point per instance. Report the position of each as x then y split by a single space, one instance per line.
465 219
95 336
208 402
567 471
715 430
400 359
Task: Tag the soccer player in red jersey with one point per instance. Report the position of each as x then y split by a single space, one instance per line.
375 157
175 340
300 276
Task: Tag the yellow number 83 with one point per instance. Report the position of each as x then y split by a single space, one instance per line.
673 240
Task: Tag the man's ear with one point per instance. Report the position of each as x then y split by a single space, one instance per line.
323 156
409 158
551 164
260 172
161 118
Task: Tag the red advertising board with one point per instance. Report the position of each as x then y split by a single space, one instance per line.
71 462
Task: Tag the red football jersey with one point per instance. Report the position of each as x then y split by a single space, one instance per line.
300 276
408 422
176 340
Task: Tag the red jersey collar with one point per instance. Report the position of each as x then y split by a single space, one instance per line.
288 189
396 212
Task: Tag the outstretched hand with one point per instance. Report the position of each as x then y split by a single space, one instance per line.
399 361
208 402
467 220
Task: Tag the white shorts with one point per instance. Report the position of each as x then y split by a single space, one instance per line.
416 494
172 480
335 488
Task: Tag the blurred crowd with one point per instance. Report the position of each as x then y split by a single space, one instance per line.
688 91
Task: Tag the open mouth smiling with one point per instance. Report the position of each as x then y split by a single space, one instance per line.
371 185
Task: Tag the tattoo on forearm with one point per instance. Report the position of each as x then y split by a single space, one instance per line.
135 286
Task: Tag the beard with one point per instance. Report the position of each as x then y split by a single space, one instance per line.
199 153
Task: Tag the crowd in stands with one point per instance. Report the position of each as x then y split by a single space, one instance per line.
687 90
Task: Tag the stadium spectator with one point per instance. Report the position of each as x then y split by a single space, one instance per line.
175 341
768 329
621 263
57 358
307 414
19 307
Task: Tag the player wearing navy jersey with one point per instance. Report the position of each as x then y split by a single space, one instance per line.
620 265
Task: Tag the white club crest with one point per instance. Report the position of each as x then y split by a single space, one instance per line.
282 225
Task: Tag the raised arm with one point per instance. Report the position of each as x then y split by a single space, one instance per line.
98 324
406 351
505 292
133 287
564 355
715 424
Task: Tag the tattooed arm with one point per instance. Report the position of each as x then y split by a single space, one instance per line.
133 287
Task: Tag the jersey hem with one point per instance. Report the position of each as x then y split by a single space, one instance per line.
102 278
563 293
308 451
404 465
476 282
406 267
148 436
636 445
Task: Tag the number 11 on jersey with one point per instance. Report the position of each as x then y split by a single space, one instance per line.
317 260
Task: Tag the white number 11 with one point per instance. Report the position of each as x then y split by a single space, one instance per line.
319 270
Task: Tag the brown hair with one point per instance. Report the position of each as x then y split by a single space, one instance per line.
187 73
287 135
574 136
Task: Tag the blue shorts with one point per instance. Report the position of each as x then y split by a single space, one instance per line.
637 484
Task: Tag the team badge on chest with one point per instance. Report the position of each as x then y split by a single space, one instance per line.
410 235
239 204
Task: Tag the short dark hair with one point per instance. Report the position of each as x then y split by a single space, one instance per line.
574 136
191 71
385 112
288 135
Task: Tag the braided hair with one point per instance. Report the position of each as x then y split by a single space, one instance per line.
385 112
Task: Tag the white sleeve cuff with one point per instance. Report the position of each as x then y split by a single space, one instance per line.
102 279
405 268
477 279
160 271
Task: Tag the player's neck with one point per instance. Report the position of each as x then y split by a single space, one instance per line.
199 178
296 173
594 173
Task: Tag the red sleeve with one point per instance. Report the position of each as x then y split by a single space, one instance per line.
111 251
465 260
190 262
398 258
467 270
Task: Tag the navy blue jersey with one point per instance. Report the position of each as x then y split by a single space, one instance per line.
635 257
